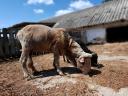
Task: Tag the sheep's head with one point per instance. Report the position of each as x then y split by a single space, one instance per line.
84 63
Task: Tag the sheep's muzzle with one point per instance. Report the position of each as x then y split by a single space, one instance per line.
84 65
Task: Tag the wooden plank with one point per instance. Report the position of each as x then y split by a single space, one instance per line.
12 45
6 44
2 55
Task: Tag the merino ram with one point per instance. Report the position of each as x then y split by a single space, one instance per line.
56 40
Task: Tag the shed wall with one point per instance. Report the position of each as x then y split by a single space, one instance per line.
95 34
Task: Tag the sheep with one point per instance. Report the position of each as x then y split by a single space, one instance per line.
56 40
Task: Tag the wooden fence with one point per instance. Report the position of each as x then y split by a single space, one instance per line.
9 45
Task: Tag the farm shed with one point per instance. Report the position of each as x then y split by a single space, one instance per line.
107 22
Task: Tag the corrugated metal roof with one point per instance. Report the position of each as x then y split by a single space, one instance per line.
108 12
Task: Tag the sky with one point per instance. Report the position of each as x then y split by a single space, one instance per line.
17 11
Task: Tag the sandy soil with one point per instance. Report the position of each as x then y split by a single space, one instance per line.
109 80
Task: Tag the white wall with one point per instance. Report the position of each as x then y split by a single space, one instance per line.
92 34
83 37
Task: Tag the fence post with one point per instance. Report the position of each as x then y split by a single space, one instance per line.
2 55
12 44
5 43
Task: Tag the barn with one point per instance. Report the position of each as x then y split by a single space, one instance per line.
107 22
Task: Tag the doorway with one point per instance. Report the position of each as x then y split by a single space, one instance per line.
118 34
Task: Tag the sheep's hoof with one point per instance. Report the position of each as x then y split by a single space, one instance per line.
97 65
30 77
61 74
67 74
26 78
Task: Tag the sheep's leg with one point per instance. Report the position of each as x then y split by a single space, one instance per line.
23 60
30 64
64 58
72 60
56 62
68 60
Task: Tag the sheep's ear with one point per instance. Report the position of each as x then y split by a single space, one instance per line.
81 60
70 42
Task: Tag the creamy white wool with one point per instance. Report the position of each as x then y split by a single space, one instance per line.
79 51
83 54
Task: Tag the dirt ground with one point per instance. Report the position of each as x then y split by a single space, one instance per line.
110 80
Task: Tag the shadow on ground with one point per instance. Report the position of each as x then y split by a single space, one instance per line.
69 70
